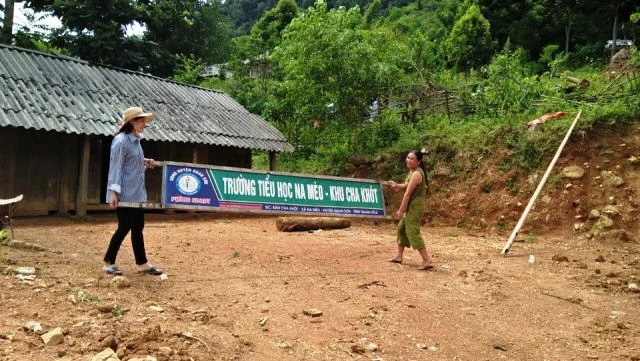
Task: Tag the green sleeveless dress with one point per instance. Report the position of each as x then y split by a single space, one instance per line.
408 233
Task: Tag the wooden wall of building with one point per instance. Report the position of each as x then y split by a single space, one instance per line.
45 167
41 165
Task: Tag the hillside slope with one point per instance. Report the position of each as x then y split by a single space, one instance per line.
603 201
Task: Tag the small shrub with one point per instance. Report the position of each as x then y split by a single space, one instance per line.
505 165
384 133
118 311
555 179
84 297
547 55
4 236
511 184
529 153
485 188
260 161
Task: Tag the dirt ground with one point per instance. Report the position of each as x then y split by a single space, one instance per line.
237 289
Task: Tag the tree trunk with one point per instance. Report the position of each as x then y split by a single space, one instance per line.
615 31
567 33
583 83
7 28
297 224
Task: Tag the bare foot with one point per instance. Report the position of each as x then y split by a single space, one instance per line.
425 266
396 260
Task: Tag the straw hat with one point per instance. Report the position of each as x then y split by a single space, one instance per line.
133 113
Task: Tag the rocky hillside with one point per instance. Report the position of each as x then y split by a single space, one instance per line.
593 190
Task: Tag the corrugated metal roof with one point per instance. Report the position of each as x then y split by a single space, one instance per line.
49 92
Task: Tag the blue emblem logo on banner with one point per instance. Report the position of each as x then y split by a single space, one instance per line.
188 184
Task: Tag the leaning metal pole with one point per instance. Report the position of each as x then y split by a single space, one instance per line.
533 199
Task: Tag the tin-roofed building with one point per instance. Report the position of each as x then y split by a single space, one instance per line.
59 114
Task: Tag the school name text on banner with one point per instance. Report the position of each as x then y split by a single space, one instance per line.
197 186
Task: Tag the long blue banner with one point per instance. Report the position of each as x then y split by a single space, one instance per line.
191 186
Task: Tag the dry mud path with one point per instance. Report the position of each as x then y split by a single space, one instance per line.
237 289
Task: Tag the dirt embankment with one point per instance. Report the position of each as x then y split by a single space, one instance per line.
592 190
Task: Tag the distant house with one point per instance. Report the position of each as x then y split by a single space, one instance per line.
216 70
59 114
258 67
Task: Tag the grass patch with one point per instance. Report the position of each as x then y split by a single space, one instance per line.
451 234
530 238
4 237
512 185
118 311
505 165
3 257
85 297
555 179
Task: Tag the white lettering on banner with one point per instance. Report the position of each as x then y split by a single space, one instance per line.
180 199
285 190
315 192
369 195
239 186
267 188
336 193
201 200
300 191
353 195
204 178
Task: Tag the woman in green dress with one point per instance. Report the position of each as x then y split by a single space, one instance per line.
411 210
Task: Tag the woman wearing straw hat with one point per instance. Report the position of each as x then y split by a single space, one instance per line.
126 184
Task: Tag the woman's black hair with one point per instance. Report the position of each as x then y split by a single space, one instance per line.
419 156
126 129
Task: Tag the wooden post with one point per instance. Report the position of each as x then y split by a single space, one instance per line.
194 154
272 161
446 102
12 146
83 177
615 32
532 201
63 176
194 160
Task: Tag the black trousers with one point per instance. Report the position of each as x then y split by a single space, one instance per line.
129 219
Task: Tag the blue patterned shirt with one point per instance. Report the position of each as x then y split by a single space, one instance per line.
126 169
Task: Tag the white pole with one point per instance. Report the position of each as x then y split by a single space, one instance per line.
533 199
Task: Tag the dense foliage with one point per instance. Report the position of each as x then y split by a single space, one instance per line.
339 77
99 31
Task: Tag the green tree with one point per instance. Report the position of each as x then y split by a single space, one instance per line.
244 13
514 21
469 44
329 57
95 30
270 26
188 69
510 87
373 10
249 58
7 22
189 27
